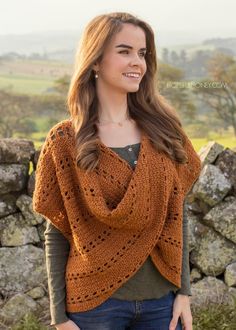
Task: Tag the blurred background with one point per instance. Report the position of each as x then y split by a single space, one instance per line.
196 48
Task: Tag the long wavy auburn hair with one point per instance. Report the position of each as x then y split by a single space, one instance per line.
147 107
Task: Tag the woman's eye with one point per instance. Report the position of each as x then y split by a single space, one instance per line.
142 54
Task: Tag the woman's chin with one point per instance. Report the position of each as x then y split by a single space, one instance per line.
133 89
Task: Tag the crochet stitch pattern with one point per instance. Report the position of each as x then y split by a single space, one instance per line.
113 217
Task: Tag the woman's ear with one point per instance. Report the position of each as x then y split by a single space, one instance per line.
95 66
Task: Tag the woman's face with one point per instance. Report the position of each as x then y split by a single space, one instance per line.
123 63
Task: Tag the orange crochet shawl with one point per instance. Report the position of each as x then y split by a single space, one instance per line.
114 217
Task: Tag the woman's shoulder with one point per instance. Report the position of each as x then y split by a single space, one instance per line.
63 125
60 136
60 130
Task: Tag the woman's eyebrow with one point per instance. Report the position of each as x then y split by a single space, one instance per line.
127 46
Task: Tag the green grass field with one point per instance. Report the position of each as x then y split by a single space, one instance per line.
25 84
227 142
31 76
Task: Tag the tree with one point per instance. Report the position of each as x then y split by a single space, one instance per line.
52 105
61 85
165 55
197 65
19 112
174 58
219 91
13 109
183 59
172 85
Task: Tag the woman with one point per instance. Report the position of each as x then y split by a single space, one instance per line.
111 180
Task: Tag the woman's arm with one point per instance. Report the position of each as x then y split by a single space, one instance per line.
185 276
181 307
57 250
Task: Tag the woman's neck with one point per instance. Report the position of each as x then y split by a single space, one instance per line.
112 106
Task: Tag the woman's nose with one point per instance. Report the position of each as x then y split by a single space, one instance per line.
136 60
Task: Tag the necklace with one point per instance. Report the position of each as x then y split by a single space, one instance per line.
120 123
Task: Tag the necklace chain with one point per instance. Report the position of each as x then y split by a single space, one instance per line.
120 123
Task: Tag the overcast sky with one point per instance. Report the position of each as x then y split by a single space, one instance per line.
212 17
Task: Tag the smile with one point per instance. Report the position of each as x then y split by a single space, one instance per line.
132 75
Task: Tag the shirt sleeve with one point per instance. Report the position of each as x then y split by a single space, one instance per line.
185 276
47 197
56 251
